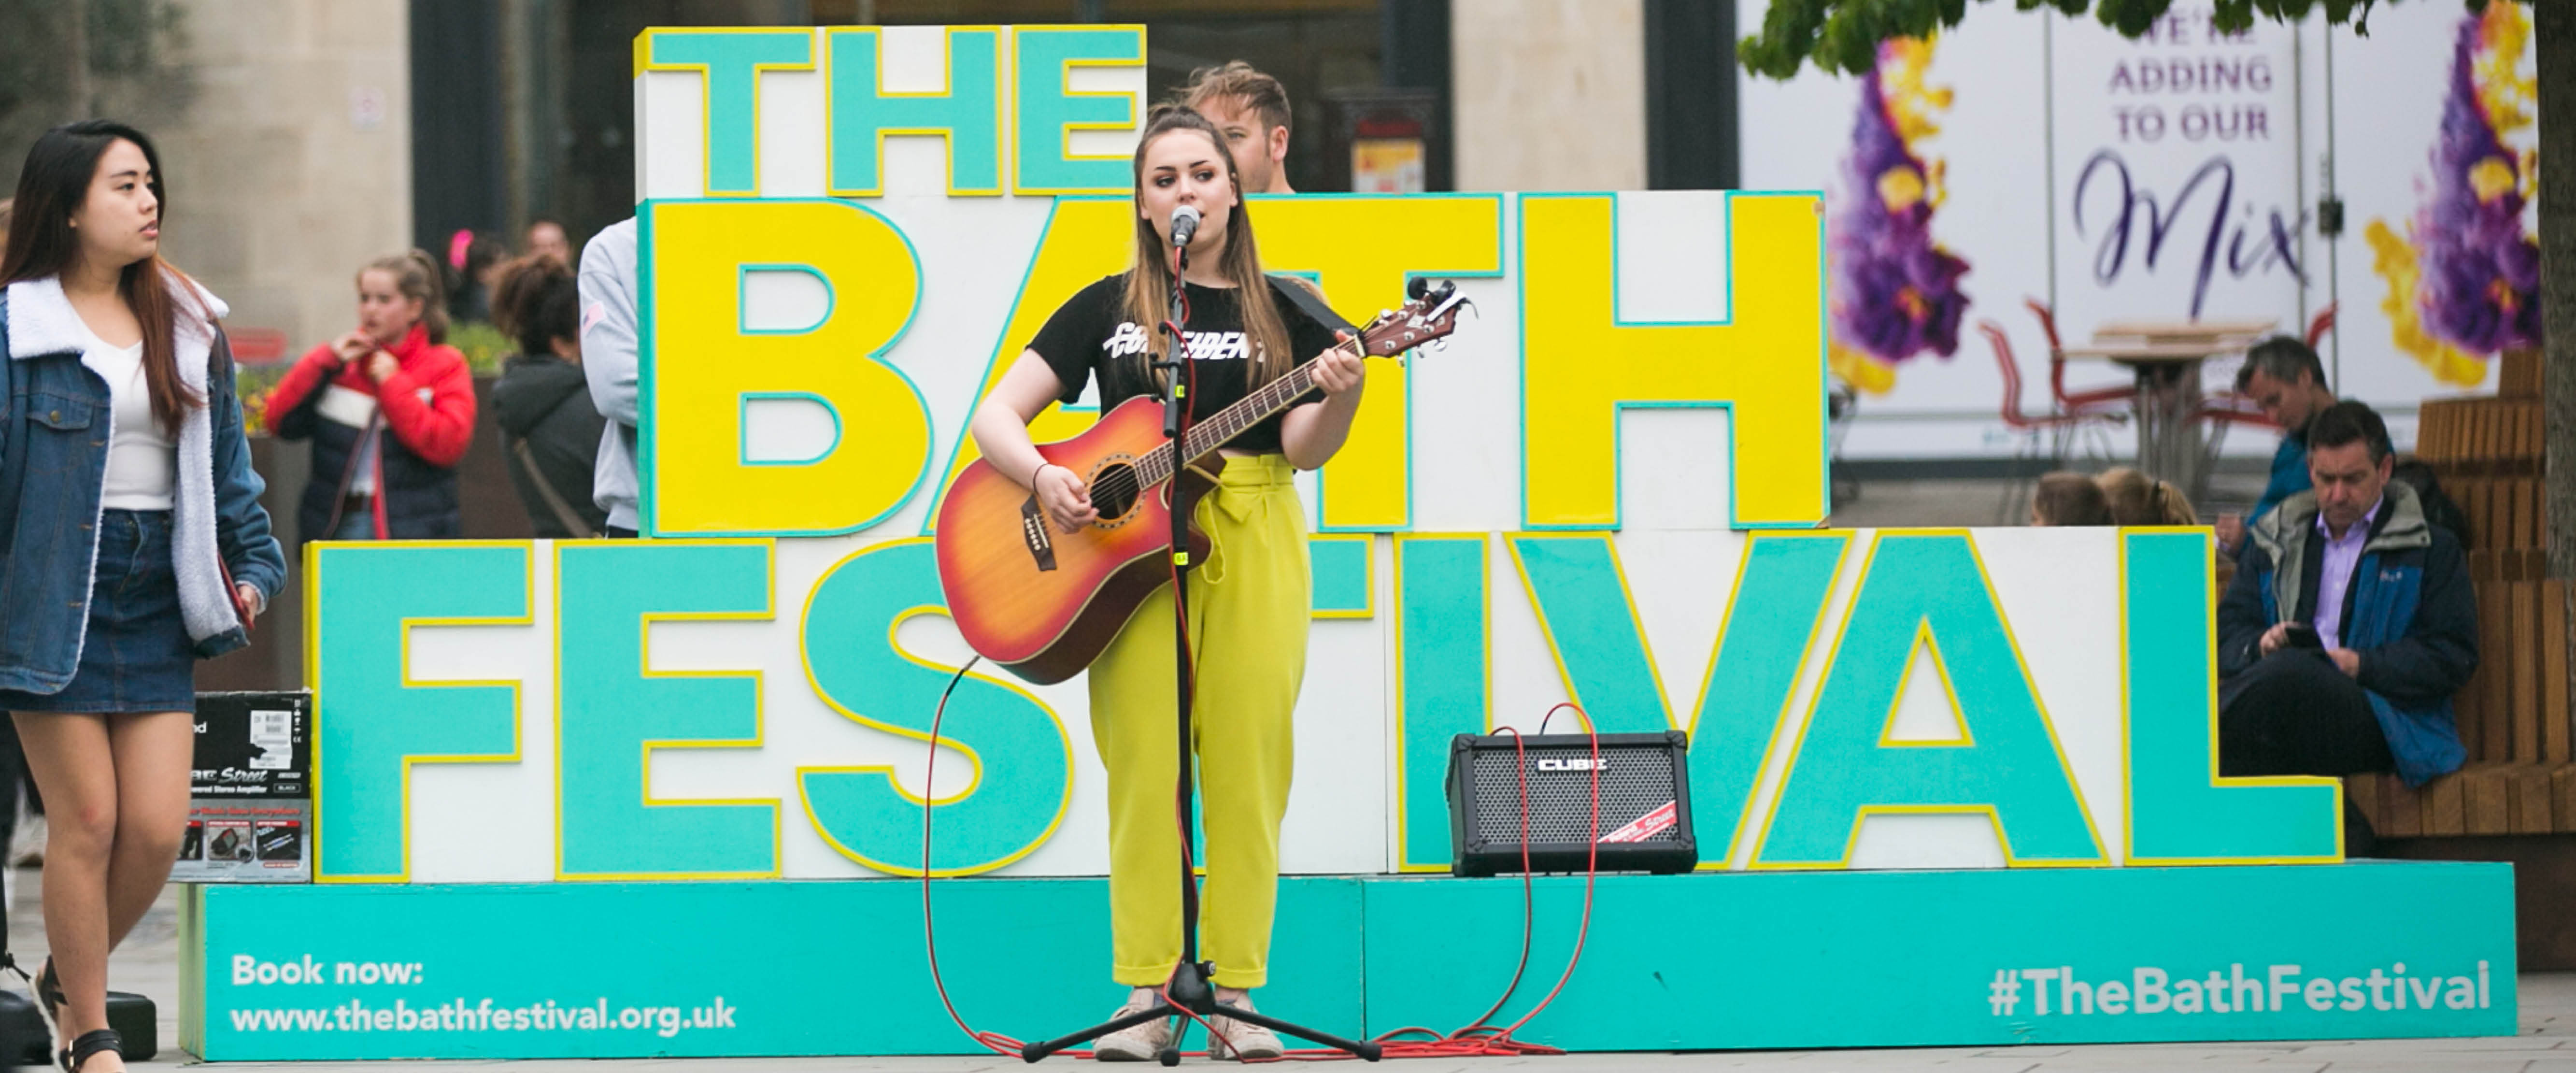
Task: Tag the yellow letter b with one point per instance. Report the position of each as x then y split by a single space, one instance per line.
766 410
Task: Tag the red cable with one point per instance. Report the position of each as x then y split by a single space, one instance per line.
992 1041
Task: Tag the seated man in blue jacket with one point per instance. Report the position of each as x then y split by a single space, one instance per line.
2350 623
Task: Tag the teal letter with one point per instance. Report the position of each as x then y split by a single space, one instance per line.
1591 624
613 711
1441 687
731 61
1343 569
1050 110
1927 590
1016 747
965 116
1771 620
2180 811
371 721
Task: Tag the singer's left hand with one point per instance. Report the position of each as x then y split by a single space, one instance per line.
1339 371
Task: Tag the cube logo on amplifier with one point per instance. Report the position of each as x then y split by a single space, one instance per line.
1503 784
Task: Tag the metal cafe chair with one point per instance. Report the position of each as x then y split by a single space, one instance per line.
2056 432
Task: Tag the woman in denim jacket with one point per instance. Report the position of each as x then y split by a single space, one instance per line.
132 543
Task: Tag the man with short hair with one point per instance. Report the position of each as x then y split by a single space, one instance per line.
2284 377
1251 109
2350 624
547 238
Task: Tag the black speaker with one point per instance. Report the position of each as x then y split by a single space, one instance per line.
1645 823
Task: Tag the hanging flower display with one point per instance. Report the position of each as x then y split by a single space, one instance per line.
1895 291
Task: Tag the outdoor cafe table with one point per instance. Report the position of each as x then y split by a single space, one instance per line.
2166 359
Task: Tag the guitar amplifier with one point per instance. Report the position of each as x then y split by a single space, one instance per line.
1645 823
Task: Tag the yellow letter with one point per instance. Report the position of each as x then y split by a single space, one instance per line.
702 365
1580 366
1368 486
1085 238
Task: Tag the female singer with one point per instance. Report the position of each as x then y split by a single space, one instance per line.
1248 602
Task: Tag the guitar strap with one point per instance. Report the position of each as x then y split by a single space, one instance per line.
1310 301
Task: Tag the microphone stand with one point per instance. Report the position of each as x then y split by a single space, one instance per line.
1189 992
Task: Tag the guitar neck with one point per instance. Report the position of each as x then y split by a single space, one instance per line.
1207 436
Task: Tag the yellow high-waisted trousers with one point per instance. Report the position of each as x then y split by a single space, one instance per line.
1248 611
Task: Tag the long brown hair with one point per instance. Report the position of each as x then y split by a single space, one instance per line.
537 302
2136 499
416 276
1149 283
42 242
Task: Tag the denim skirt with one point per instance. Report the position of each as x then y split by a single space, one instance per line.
135 652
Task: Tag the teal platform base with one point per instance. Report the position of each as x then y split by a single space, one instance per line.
1713 960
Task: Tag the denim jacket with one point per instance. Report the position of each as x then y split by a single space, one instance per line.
55 424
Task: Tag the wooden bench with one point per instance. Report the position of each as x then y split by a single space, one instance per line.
2521 776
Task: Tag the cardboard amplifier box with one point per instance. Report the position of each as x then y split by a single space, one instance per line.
250 809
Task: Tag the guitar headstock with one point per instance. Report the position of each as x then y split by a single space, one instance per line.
1429 314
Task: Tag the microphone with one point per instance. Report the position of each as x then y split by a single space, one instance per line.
1185 223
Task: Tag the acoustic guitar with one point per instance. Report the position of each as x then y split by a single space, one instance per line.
1043 603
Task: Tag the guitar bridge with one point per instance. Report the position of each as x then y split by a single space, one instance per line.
1033 531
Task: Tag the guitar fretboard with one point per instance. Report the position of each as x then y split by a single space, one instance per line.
1207 436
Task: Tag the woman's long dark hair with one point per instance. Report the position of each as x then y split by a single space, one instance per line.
42 242
1149 283
537 302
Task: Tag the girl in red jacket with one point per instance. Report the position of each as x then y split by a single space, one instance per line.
390 410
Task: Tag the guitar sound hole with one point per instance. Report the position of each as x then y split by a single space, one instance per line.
1113 491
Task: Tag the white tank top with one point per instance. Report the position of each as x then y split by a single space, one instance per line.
142 460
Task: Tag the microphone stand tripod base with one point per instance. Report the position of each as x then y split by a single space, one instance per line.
1189 992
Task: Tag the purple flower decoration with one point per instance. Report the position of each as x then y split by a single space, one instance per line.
1896 292
2480 289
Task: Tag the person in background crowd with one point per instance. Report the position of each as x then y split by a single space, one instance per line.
608 290
546 238
2064 498
1251 109
2350 624
474 262
2284 377
390 410
548 425
132 544
2135 500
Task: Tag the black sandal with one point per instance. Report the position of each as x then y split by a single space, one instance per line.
48 990
88 1046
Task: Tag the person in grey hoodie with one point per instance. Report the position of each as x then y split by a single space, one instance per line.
548 425
608 340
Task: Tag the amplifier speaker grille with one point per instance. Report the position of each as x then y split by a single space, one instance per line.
1645 822
1634 782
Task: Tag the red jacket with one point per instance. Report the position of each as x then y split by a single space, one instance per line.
437 428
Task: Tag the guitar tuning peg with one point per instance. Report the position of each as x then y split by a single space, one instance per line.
1437 346
1416 287
1385 313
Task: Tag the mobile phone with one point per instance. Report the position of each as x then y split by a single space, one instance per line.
2302 635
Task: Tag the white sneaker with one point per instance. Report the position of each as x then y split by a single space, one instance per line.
27 849
1240 1040
1135 1043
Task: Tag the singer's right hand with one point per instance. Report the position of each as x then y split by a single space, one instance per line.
1065 497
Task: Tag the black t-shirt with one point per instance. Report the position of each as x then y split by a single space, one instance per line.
1090 335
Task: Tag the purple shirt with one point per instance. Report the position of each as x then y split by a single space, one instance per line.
2342 555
